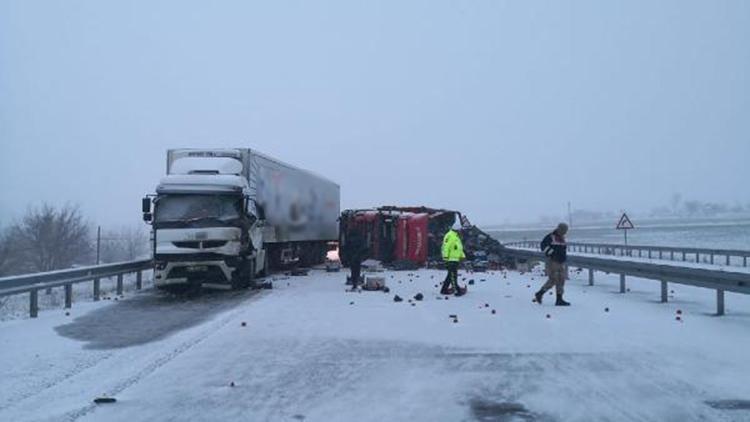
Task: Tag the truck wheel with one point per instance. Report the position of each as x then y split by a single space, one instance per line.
265 271
243 275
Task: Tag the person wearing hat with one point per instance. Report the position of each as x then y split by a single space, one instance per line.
555 249
453 253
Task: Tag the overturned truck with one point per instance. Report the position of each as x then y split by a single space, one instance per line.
411 237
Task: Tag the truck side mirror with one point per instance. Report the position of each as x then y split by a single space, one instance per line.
261 211
146 205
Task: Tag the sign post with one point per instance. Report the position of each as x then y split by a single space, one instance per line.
625 224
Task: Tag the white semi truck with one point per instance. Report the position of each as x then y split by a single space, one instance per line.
220 217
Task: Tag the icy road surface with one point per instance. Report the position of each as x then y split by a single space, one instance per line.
309 351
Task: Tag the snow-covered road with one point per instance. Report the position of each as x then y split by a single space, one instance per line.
310 351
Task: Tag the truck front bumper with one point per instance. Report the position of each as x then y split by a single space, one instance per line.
216 273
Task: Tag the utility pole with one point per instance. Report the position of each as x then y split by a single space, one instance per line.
98 242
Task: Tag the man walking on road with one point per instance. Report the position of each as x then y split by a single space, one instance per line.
357 250
555 249
453 253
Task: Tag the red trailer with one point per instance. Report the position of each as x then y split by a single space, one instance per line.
401 250
417 239
399 234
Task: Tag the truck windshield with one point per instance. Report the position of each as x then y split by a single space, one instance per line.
195 207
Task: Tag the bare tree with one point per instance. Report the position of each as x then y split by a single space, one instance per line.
125 244
48 239
4 252
135 240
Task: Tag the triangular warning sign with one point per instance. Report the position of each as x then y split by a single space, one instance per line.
625 223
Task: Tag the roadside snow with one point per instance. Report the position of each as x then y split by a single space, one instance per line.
17 306
310 351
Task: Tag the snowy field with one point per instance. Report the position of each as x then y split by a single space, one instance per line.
309 351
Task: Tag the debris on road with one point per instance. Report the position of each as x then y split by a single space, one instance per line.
373 283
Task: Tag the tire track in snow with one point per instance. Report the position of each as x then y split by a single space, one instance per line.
161 360
37 388
164 359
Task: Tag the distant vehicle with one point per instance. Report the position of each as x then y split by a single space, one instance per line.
221 217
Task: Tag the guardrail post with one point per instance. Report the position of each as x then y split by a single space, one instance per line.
139 280
671 255
744 261
97 289
697 257
34 303
119 284
639 253
68 296
622 283
591 276
649 254
727 259
712 259
719 302
683 256
660 255
664 291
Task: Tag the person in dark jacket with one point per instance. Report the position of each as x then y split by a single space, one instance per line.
554 247
356 247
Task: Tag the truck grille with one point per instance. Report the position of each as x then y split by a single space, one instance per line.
200 244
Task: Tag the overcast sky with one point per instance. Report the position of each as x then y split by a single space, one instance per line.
504 110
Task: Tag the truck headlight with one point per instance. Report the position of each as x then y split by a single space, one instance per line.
160 265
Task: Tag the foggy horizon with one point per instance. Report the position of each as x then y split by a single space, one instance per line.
503 111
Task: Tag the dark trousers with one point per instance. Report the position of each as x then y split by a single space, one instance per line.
356 268
451 279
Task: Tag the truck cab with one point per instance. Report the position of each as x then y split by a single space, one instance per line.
205 224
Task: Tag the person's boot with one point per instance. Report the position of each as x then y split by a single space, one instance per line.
561 302
446 289
539 296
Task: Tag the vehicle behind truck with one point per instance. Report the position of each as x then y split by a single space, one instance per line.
222 217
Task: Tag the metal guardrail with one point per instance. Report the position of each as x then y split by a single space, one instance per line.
32 283
720 280
645 251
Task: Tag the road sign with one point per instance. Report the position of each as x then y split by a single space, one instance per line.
625 223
